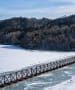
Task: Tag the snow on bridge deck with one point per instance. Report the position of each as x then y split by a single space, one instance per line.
13 58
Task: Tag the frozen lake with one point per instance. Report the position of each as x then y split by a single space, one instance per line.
15 58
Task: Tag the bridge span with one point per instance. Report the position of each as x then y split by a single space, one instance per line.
9 78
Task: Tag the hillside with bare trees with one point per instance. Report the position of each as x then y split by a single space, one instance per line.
42 34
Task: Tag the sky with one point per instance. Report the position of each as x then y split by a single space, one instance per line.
36 8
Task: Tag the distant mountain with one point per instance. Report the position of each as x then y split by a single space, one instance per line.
44 34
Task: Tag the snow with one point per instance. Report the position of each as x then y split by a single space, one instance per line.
67 85
15 58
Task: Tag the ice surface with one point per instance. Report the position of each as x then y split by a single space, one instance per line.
15 58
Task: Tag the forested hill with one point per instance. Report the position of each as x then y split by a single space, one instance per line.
44 34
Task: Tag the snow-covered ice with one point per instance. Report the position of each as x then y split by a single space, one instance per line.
15 58
67 85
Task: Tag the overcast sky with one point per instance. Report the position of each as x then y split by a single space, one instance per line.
36 8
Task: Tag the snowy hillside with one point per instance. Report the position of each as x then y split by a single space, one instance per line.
15 58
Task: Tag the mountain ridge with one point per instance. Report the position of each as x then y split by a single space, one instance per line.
42 34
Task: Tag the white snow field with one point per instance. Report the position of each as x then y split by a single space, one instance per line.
14 58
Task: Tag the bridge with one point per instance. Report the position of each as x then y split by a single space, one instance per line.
9 78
